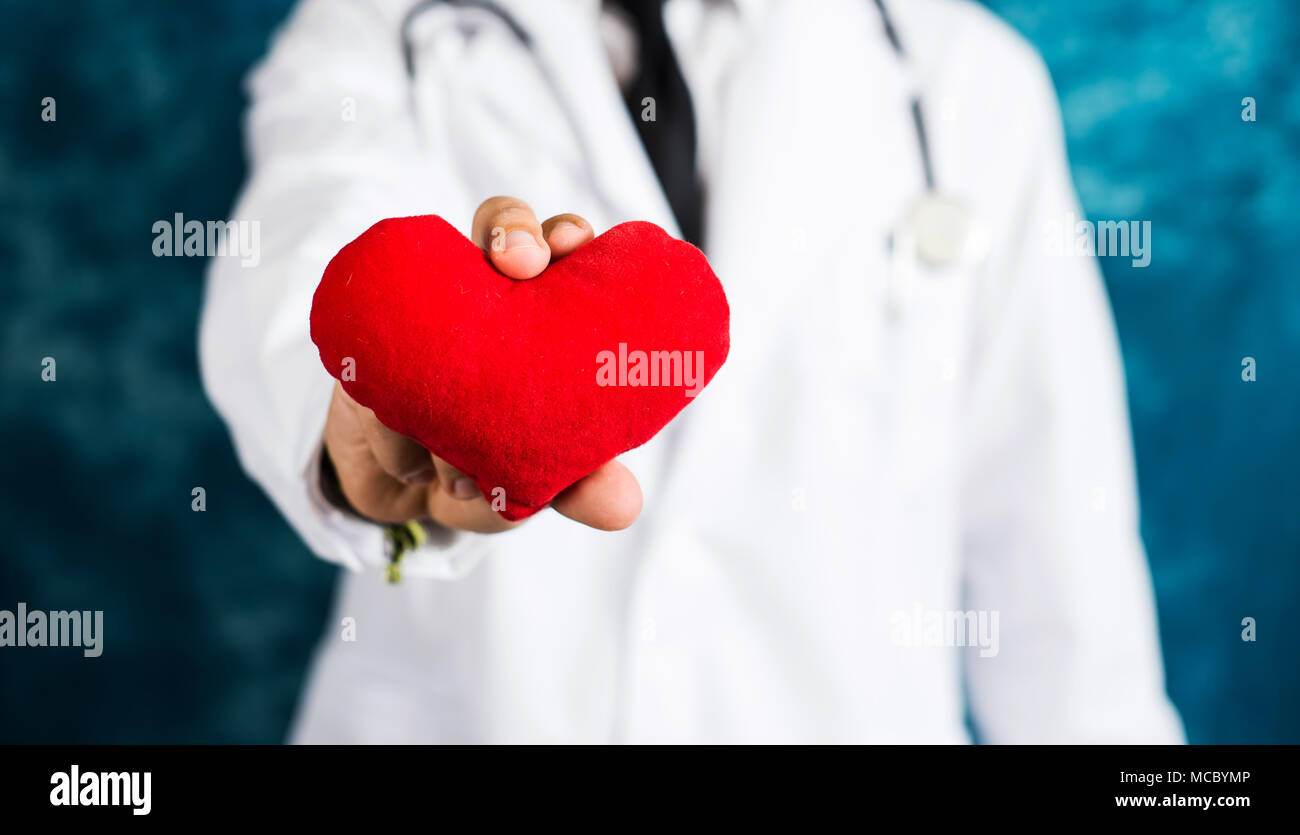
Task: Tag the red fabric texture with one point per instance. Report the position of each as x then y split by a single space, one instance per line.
499 377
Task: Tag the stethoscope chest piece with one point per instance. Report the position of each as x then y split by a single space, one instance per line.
944 232
938 234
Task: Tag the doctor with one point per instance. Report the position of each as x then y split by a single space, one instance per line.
922 420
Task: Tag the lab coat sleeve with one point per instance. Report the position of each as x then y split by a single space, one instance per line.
1050 520
333 147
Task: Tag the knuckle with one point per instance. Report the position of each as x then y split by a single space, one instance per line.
514 216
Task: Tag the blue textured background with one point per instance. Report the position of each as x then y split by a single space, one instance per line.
210 617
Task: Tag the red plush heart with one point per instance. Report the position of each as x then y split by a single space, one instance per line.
527 386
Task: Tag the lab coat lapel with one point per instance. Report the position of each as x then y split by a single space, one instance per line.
570 50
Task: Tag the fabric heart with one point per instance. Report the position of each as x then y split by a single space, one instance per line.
523 386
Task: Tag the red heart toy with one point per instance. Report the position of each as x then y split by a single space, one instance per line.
523 386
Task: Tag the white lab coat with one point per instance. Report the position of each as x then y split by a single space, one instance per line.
845 468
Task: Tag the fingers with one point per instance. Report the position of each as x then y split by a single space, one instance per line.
388 477
565 233
375 494
369 489
456 485
507 228
396 454
518 246
455 502
609 499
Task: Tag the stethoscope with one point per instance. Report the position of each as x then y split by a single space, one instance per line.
938 230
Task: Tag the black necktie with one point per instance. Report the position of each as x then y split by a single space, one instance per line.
669 140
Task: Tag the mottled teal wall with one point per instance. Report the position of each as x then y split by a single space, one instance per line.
210 617
1151 93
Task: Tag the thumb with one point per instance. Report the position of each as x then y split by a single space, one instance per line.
609 499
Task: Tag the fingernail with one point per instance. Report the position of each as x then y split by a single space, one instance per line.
565 226
464 488
521 239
